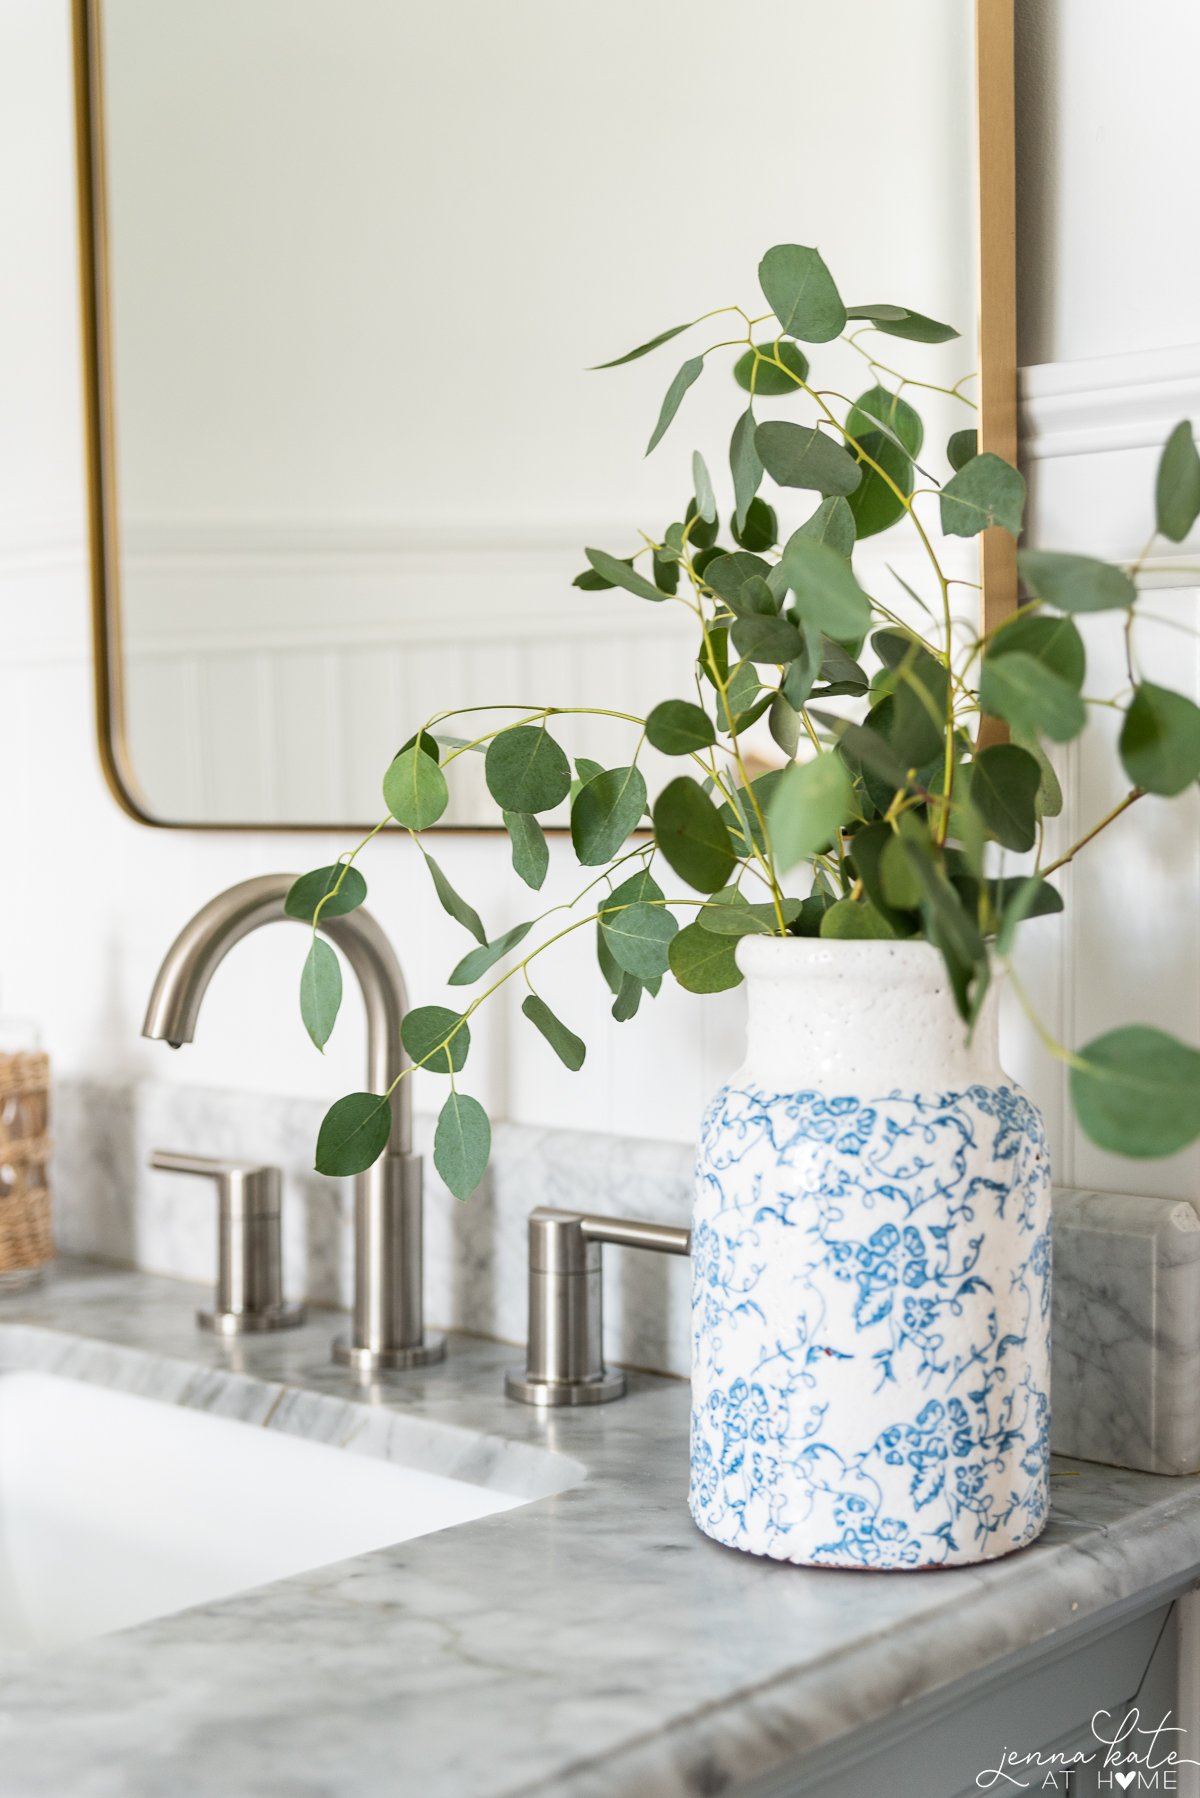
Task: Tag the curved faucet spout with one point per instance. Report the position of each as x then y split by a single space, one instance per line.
387 1329
206 939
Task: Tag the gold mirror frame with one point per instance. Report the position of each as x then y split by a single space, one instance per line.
997 378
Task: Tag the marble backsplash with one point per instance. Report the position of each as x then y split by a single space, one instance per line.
109 1203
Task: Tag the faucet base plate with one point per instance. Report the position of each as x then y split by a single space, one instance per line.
552 1393
250 1323
393 1360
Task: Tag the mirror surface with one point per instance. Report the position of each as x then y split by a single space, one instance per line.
359 259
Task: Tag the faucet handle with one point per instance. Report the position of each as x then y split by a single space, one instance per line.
249 1295
564 1362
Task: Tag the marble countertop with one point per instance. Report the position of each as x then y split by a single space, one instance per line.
587 1644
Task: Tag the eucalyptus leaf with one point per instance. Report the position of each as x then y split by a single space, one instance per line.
638 937
804 456
705 499
902 321
767 639
745 465
986 491
691 371
1177 488
462 1144
878 409
702 962
453 902
1136 1091
875 502
761 529
1004 786
745 920
739 578
827 596
530 850
1049 795
570 1049
757 373
692 837
354 1133
831 524
1030 696
476 962
620 574
644 349
320 991
436 1038
812 800
703 532
785 725
306 893
1075 583
1053 641
962 447
415 790
629 997
677 727
526 770
1031 897
605 811
1160 740
801 293
855 919
666 574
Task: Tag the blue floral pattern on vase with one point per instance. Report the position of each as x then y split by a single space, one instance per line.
871 1310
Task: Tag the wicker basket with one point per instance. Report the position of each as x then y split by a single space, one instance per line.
26 1240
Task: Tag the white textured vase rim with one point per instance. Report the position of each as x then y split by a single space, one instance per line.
809 958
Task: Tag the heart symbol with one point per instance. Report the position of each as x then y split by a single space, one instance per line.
1124 1780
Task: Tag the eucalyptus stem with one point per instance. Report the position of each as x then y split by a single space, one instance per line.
1134 794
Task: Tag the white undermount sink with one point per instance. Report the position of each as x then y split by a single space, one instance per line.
115 1508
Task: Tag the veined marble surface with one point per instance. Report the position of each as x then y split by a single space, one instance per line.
589 1644
110 1203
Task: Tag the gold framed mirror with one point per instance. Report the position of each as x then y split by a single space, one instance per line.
343 452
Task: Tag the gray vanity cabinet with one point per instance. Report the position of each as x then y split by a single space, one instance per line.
1039 1701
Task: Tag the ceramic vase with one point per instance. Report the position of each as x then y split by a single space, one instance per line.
871 1256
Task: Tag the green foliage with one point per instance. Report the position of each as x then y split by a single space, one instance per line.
804 456
354 1133
1177 490
986 491
1075 583
692 836
530 851
801 293
1004 788
617 573
320 991
476 962
570 1049
606 809
525 769
756 371
415 790
691 371
452 902
677 727
878 815
1160 740
1031 696
436 1038
811 802
702 962
316 889
1136 1091
462 1143
900 321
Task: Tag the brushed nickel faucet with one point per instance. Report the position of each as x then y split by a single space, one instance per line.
387 1328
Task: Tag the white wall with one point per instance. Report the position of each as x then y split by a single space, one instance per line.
1110 253
88 900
